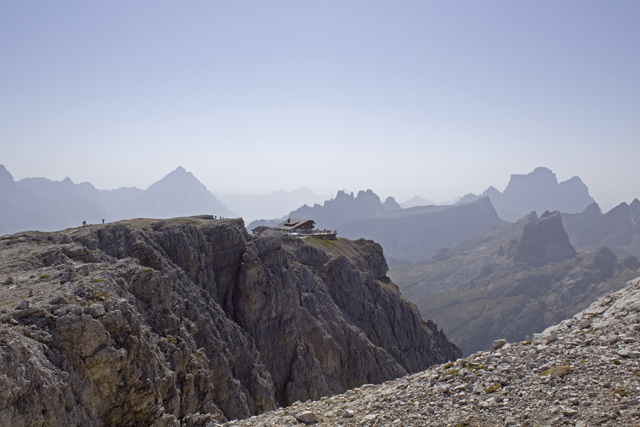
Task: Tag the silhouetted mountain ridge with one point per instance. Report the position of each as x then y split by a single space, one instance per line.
536 191
618 229
409 234
46 205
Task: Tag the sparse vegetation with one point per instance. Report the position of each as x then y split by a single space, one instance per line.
556 371
492 389
621 392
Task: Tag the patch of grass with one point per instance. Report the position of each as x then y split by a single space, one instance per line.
492 389
453 372
448 365
616 362
621 392
477 367
147 269
198 356
45 277
96 280
322 241
172 339
583 360
525 343
102 294
556 371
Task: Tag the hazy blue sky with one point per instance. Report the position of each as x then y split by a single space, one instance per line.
404 97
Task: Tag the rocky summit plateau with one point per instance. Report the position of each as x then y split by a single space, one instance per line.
191 321
582 372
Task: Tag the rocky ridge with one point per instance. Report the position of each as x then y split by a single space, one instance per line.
192 320
581 372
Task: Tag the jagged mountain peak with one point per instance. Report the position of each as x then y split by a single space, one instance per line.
538 190
543 241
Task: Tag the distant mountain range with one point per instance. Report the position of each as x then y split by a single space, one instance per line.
406 235
417 233
510 281
346 208
45 205
618 229
536 191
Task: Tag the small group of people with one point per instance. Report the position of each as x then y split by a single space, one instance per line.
85 222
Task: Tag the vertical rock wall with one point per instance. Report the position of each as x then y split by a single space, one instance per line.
148 321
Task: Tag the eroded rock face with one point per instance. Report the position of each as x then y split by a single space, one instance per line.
543 240
148 321
581 372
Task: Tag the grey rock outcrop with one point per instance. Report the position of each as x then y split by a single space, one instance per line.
543 240
191 320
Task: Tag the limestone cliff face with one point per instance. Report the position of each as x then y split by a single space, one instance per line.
542 240
148 321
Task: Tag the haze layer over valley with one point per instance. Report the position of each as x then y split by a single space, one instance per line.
213 211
